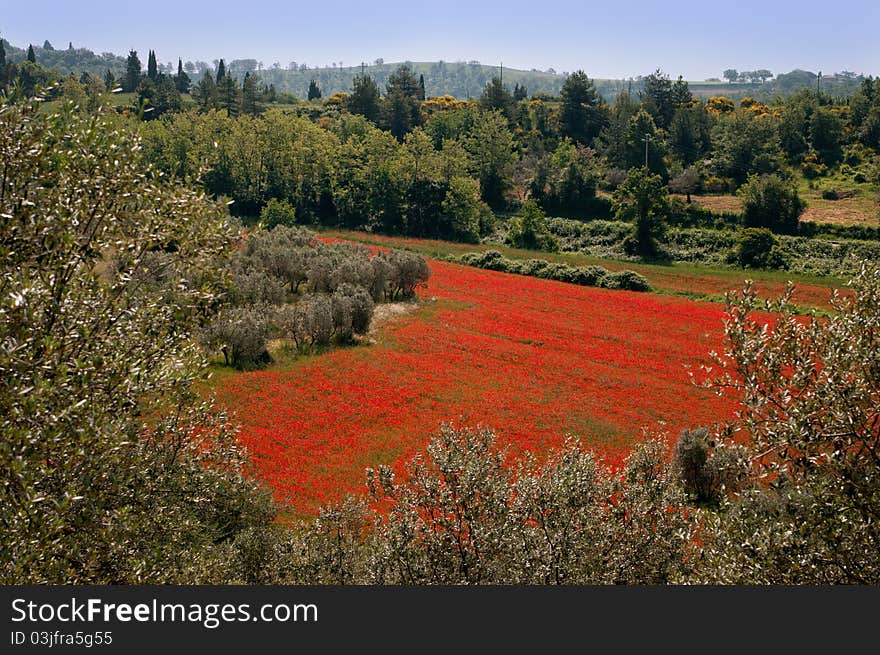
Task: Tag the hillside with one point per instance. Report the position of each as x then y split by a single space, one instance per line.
460 79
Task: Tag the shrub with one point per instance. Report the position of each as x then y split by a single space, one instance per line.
758 247
627 280
714 184
460 516
529 229
277 212
706 472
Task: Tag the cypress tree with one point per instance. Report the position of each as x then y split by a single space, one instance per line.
47 45
152 67
109 81
31 57
182 81
132 72
3 79
314 90
221 71
421 87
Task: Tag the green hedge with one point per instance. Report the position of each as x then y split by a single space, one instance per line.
587 276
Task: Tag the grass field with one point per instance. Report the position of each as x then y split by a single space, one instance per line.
697 282
535 360
861 209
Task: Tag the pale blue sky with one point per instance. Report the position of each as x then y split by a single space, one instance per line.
694 38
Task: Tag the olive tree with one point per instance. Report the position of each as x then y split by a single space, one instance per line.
810 388
113 469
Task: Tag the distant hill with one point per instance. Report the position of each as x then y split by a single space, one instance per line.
460 79
70 60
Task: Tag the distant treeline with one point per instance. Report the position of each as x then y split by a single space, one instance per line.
460 79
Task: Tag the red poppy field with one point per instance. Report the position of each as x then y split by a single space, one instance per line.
532 359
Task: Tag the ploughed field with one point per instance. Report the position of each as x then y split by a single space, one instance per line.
535 360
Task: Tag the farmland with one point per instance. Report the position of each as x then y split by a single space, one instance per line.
481 347
694 281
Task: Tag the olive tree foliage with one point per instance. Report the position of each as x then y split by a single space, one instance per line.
112 470
462 515
288 284
811 406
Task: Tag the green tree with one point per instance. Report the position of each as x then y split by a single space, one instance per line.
731 75
181 80
657 98
744 144
421 87
469 215
250 96
114 470
229 95
528 229
496 97
364 98
641 128
221 72
491 148
401 107
205 92
132 72
642 198
614 138
689 133
31 57
772 202
314 91
826 136
581 117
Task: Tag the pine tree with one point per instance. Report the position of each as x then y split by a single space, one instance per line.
205 92
132 72
250 96
152 67
230 95
580 116
364 98
47 45
496 96
314 91
31 57
221 71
